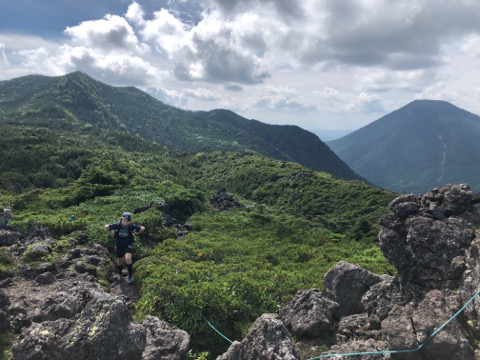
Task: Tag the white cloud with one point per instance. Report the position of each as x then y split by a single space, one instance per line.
4 64
113 33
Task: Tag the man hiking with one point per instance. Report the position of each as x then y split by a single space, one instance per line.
125 233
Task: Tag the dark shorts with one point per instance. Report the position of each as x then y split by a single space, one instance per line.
124 249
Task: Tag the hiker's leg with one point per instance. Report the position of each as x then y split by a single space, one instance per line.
120 256
128 260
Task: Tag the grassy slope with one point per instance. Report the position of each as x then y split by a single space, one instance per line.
295 224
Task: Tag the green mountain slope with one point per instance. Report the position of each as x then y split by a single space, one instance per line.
76 101
416 148
293 223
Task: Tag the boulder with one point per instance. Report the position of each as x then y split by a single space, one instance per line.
309 314
164 341
267 339
346 283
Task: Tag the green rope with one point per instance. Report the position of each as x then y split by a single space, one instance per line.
214 328
406 350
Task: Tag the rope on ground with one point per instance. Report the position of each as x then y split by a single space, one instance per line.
214 328
385 352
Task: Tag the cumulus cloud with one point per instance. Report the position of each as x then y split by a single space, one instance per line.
112 33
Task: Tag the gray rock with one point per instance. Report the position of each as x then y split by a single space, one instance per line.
309 314
8 237
45 278
104 330
164 341
407 327
346 283
267 339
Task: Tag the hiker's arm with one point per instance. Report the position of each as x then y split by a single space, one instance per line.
141 230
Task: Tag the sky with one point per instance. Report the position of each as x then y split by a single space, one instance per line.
318 64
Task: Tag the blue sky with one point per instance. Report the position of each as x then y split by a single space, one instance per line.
330 64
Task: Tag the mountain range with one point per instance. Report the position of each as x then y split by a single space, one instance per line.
423 145
78 101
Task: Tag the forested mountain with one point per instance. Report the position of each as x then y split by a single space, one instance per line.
76 101
420 146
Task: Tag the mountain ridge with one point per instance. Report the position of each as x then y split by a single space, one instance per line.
78 99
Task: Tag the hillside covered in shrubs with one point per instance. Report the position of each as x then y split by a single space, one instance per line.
230 235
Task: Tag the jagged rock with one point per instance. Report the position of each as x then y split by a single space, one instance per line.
8 237
361 346
39 233
408 327
345 284
358 326
72 318
164 341
309 314
423 248
451 199
381 297
102 331
267 339
223 201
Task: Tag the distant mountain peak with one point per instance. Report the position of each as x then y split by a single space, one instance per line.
423 145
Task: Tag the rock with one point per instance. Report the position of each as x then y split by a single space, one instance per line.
382 296
358 326
267 339
45 278
345 284
423 249
361 346
8 237
223 201
164 341
408 327
309 314
105 321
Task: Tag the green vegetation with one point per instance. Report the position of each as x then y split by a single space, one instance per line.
293 223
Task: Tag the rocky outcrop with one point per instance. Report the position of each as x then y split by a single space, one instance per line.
433 242
267 338
59 310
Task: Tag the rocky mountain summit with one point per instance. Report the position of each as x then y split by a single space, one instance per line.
65 309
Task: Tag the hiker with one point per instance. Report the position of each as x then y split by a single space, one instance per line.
125 233
5 217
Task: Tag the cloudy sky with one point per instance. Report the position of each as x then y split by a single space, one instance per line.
319 64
